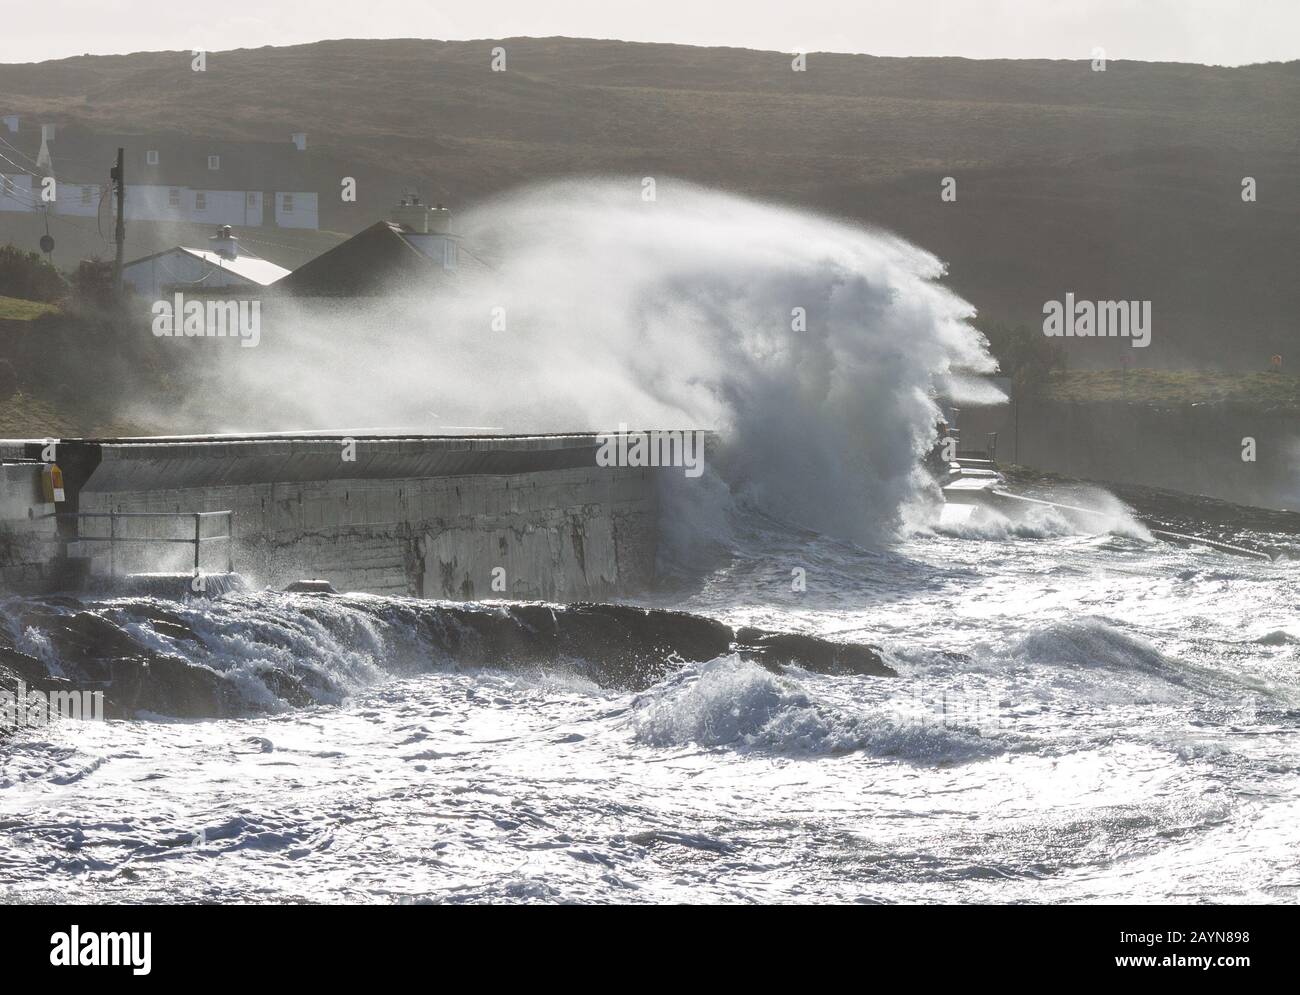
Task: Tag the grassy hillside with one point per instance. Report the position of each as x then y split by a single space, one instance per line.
14 309
1267 391
1123 184
25 417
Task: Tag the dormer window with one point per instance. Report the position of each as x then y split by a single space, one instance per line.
151 157
214 162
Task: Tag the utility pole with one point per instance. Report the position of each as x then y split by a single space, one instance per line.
118 175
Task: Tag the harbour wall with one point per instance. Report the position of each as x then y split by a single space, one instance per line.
1194 448
434 517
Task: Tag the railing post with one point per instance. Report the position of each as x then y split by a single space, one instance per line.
198 525
230 542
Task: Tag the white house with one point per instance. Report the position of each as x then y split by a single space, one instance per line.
248 184
221 267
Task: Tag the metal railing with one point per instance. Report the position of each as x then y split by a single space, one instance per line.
113 538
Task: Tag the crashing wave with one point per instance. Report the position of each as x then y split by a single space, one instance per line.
268 651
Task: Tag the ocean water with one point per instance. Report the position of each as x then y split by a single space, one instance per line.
1076 718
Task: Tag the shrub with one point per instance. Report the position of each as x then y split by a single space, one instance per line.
26 275
93 283
1024 354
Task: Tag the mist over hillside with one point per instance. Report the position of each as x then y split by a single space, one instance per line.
1121 184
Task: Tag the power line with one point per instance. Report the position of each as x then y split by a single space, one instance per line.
62 158
22 169
15 148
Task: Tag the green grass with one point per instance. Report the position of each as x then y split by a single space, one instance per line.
1256 390
26 417
17 309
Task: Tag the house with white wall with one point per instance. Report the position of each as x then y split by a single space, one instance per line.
169 178
220 267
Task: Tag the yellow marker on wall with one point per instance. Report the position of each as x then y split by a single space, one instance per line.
52 484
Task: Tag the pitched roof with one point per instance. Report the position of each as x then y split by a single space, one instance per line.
375 261
250 268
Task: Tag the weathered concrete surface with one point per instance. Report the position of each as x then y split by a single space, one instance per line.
28 542
1195 448
428 517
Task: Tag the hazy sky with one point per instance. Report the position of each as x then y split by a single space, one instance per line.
1229 32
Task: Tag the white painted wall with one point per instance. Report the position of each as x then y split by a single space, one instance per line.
440 248
303 215
219 207
22 196
152 202
154 278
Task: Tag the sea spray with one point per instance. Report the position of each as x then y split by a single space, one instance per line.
813 347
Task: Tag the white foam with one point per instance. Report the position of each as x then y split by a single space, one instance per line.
675 313
733 703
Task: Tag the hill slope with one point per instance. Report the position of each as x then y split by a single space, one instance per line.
1117 184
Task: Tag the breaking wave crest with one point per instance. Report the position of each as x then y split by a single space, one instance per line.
1092 642
812 347
733 703
268 651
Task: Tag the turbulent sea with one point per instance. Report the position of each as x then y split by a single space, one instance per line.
1075 718
1054 716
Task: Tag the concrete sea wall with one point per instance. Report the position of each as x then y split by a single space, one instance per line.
28 543
433 517
1195 448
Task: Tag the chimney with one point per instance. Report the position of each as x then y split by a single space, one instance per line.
300 140
439 220
224 243
43 156
412 216
11 122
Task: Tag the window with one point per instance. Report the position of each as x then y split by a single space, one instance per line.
7 185
151 157
252 199
214 162
286 203
173 197
200 201
86 194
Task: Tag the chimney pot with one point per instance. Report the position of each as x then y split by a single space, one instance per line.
224 243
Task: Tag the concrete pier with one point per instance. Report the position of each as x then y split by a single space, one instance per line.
428 516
